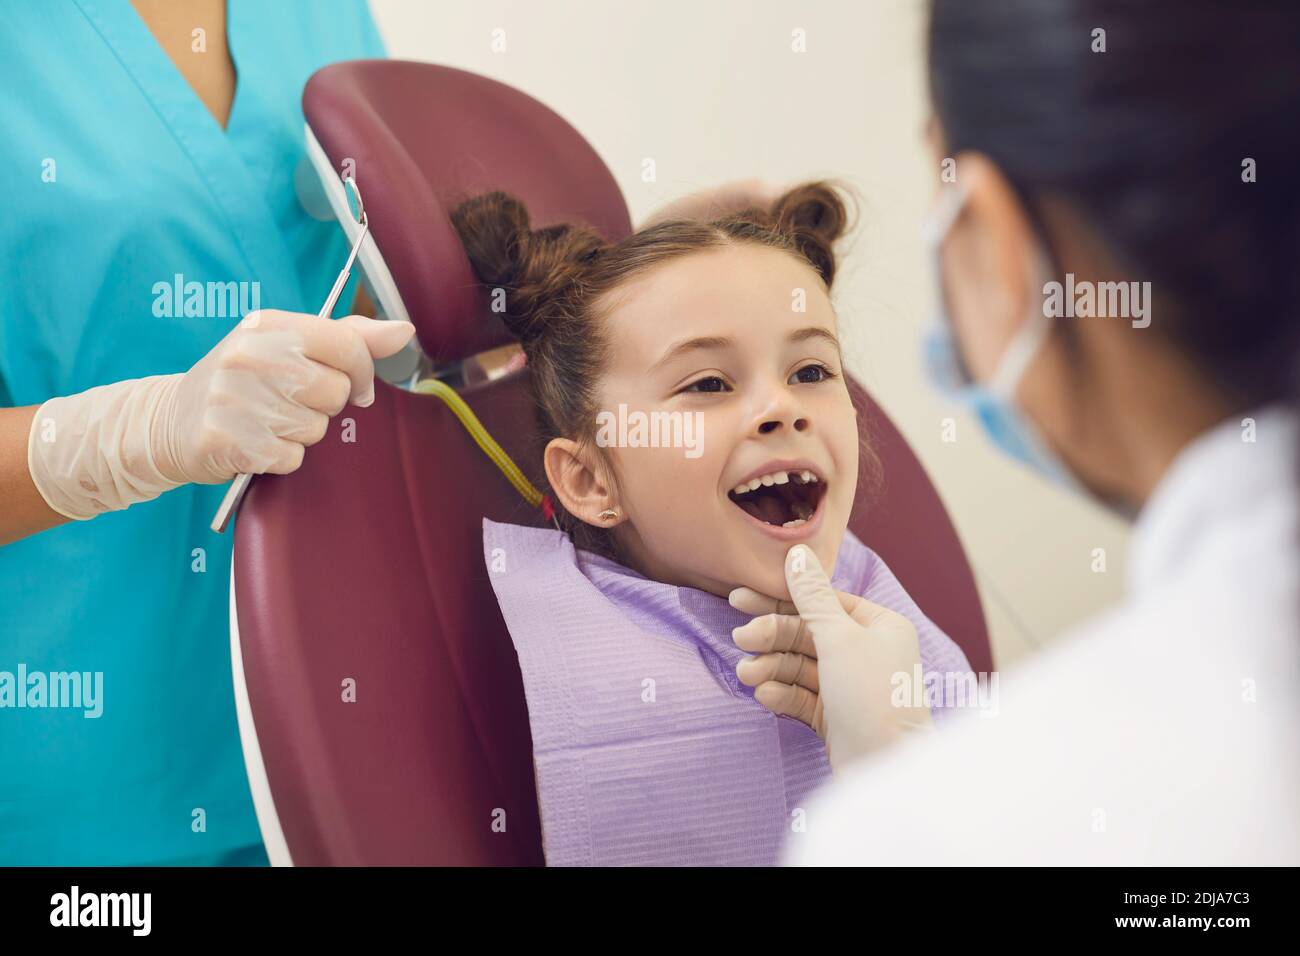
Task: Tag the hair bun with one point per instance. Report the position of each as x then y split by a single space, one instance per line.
534 267
815 215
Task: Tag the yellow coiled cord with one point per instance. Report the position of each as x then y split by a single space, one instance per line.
485 441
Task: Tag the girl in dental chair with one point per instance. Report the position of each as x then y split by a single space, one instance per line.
649 747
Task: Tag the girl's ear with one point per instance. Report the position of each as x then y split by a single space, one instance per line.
574 474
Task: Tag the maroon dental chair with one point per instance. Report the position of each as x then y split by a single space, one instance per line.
380 702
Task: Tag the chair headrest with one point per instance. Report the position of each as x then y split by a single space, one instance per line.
419 138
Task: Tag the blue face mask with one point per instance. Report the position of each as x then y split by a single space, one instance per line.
992 403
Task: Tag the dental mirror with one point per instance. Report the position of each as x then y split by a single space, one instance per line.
355 206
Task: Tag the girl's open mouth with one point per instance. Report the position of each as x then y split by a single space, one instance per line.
782 499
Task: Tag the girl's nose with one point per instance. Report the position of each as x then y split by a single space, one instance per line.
773 424
778 408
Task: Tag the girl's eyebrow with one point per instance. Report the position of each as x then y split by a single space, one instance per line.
815 332
689 345
726 342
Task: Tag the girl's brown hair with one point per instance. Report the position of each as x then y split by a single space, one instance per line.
554 278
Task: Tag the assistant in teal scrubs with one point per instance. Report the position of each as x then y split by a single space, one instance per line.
119 178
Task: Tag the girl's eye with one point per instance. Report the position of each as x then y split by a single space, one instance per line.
819 373
711 384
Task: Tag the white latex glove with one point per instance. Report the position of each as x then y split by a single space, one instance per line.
829 659
252 404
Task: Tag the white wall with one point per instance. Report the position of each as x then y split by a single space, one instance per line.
713 91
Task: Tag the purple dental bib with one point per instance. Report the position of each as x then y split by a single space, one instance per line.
647 749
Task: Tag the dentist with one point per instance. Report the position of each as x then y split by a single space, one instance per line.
1107 142
142 142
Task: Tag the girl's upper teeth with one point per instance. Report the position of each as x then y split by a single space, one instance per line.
775 478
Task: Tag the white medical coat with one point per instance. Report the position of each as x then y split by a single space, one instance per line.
1165 732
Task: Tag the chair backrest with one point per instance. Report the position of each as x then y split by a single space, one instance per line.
364 568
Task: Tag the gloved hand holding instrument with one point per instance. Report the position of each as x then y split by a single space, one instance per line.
251 405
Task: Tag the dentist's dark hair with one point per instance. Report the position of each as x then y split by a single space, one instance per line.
1146 144
555 279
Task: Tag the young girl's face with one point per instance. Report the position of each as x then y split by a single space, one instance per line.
736 349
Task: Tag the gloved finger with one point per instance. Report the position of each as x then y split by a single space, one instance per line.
288 457
774 632
337 345
784 668
310 385
756 602
788 700
810 588
310 429
327 390
273 457
244 418
350 345
383 337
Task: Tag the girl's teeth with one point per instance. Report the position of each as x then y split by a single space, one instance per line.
776 478
795 523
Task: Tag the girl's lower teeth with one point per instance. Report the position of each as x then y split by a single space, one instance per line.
795 523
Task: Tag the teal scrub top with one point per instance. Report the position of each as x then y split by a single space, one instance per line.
117 178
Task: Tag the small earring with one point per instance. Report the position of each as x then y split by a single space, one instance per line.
609 514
